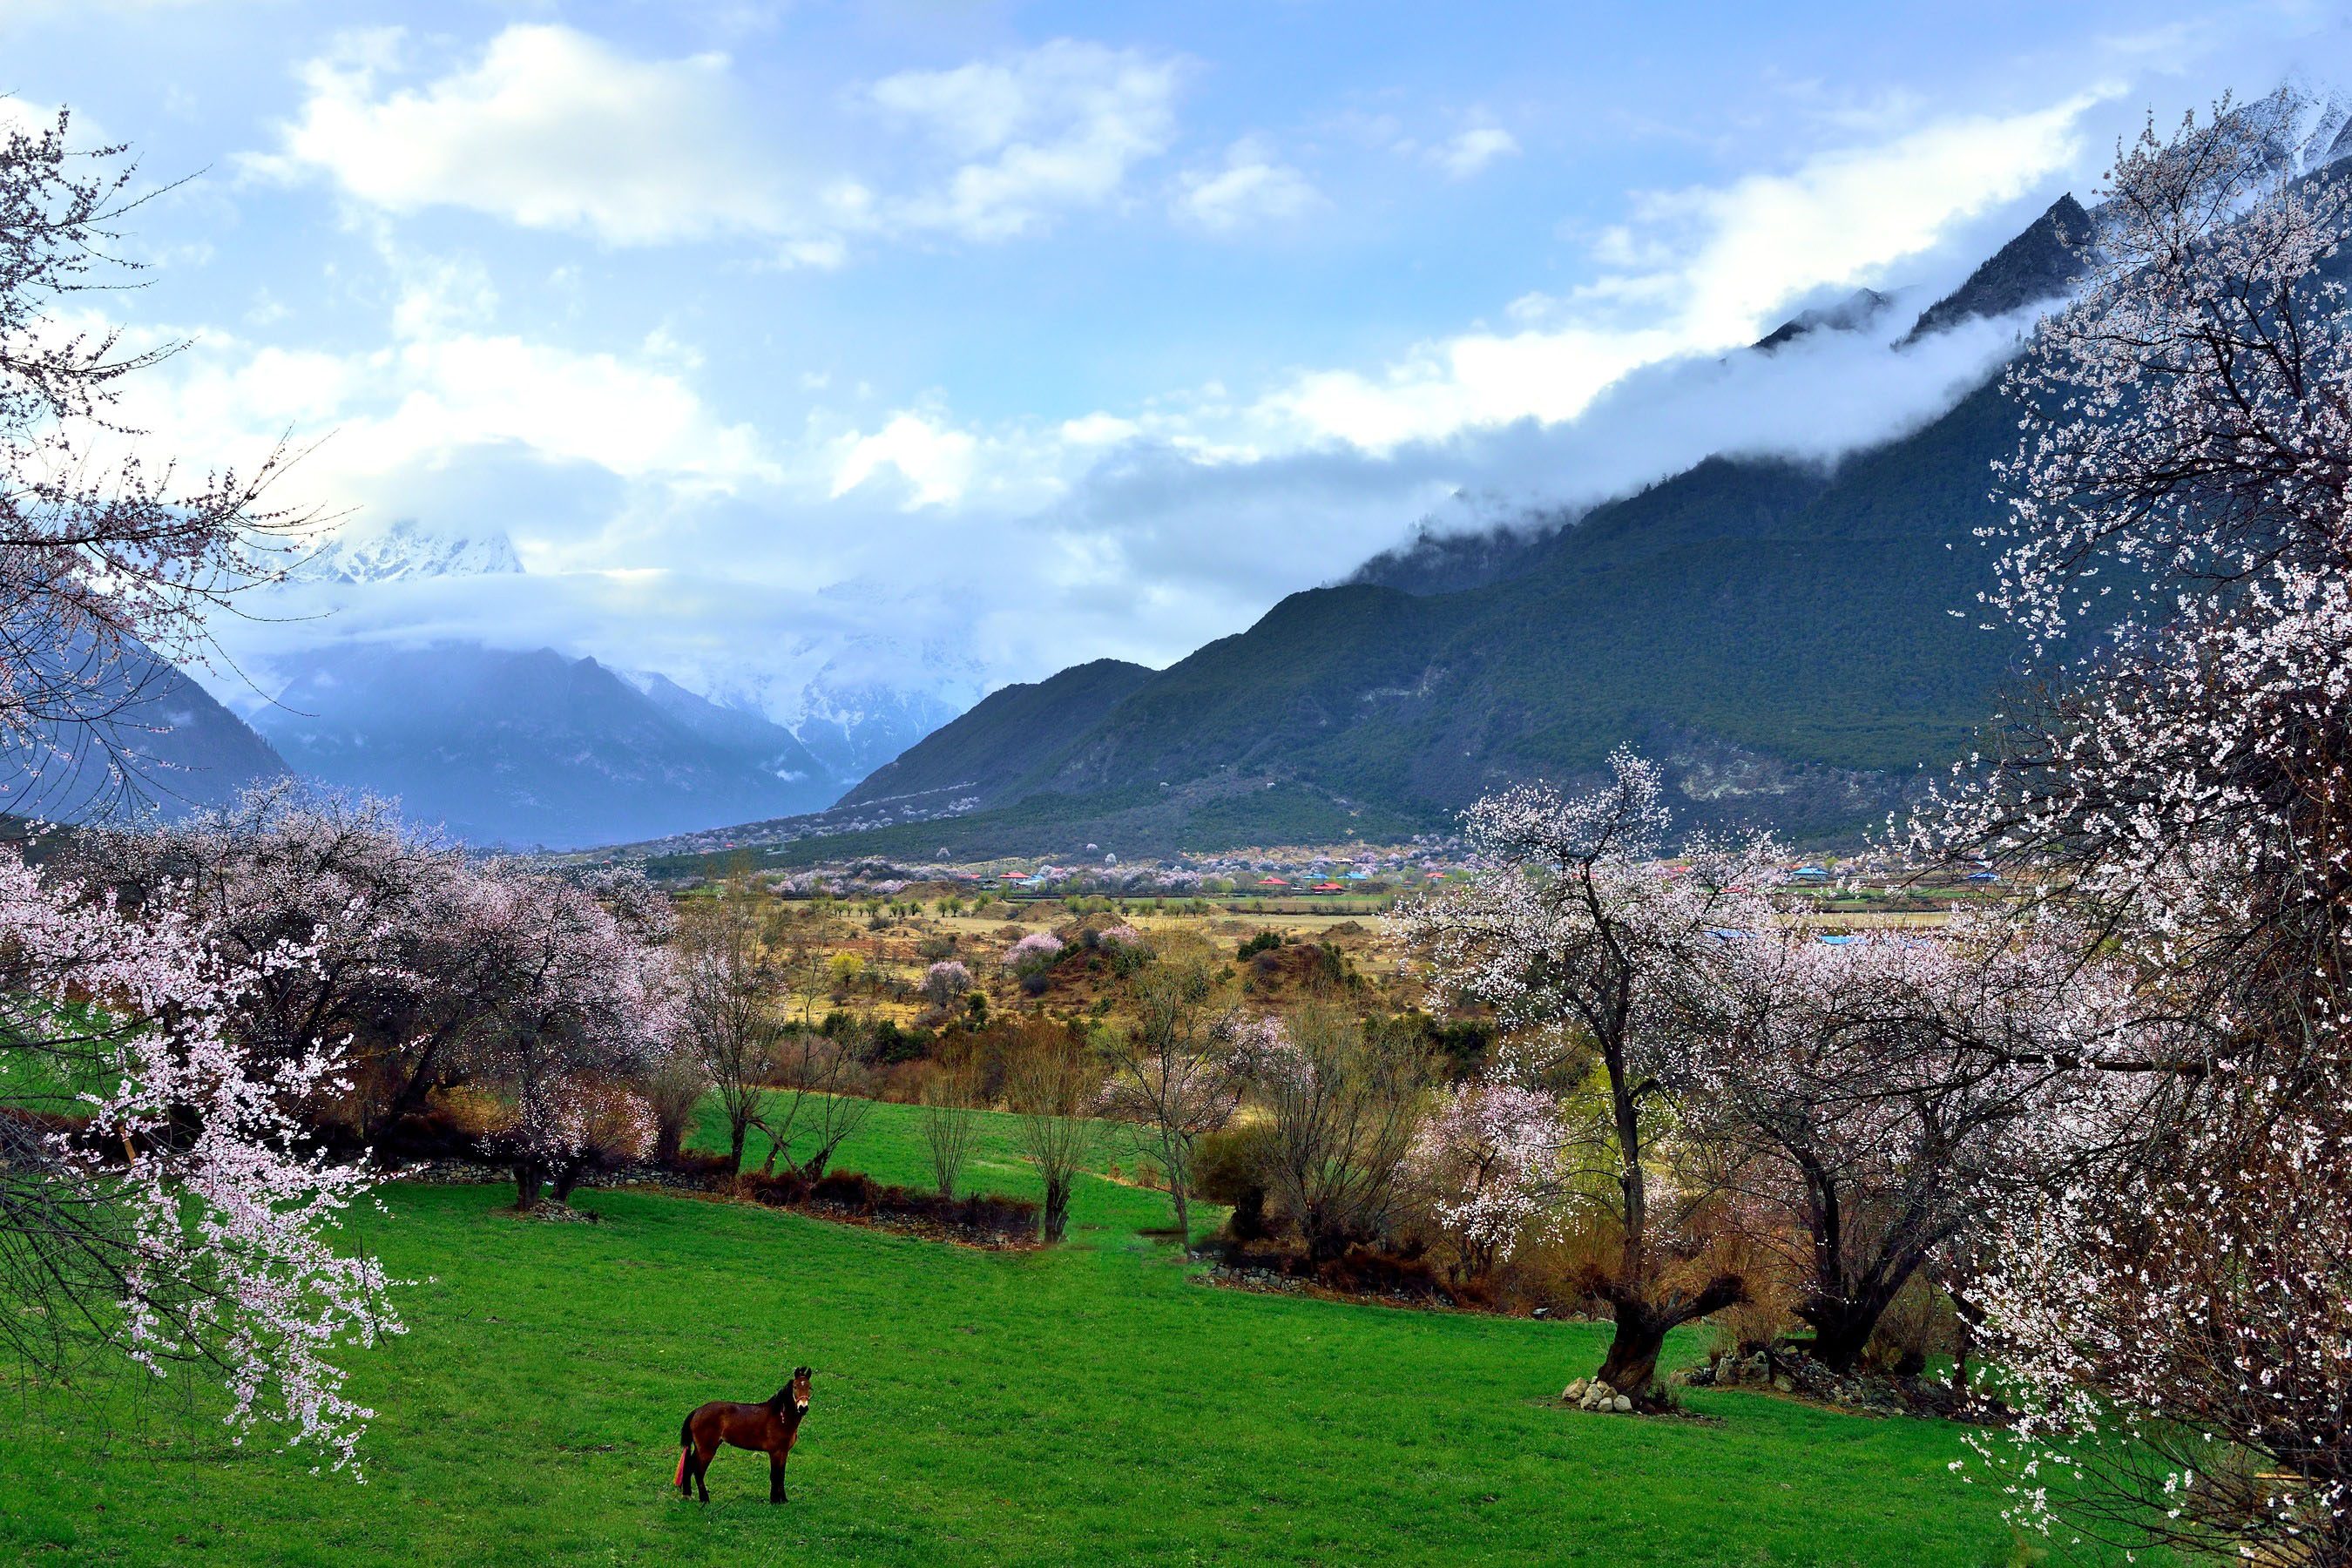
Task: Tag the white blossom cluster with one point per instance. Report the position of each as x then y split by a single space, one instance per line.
215 1224
2170 1319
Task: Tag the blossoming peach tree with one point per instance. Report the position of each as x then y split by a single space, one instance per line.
1579 937
1867 1097
178 1215
158 1197
2171 1322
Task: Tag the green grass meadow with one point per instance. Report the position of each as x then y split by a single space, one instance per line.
1085 1405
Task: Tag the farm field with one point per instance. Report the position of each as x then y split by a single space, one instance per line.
1088 1404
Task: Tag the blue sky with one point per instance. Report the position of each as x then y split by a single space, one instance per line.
975 340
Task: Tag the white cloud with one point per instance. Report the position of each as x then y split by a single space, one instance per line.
1251 188
382 423
1464 154
1697 271
549 129
21 115
1099 430
1845 217
1054 128
935 462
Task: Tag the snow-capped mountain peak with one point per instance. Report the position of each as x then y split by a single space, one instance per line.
407 551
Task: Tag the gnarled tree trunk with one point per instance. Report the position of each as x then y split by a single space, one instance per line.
1843 1324
528 1176
1644 1322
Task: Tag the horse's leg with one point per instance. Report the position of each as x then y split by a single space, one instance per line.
776 1475
702 1458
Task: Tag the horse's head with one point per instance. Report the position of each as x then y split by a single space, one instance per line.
793 1397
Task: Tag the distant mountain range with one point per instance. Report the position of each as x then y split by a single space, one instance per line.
521 747
1783 636
1794 643
531 750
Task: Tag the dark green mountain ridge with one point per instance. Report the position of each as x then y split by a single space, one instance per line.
1795 642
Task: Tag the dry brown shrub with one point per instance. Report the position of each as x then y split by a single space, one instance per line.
1553 1268
902 1083
475 1112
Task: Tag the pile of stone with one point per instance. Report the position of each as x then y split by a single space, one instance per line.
475 1173
1243 1278
1596 1396
1789 1370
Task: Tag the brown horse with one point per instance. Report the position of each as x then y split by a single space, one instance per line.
767 1429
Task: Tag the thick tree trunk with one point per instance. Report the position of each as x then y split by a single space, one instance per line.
528 1177
421 1081
1053 1222
1643 1323
1843 1324
1184 1213
566 1177
736 1136
1632 1363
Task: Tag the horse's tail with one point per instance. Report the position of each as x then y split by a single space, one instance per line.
684 1450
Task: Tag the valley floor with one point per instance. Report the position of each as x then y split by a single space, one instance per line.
1084 1406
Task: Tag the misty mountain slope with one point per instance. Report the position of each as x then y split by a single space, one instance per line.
2042 263
184 751
521 749
1853 313
1764 605
1770 607
851 730
1010 740
770 747
1451 563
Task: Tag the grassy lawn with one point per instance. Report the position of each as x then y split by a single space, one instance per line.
1084 1406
